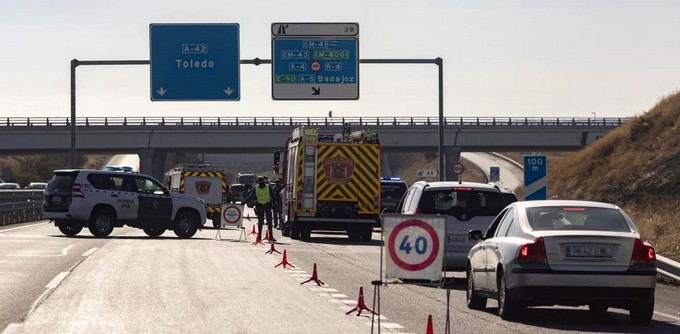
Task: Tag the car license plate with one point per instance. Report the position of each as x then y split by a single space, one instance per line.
458 238
589 251
56 200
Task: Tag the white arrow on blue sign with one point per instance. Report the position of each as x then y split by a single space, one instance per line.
535 177
195 62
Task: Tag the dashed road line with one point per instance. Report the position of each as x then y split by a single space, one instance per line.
89 252
57 279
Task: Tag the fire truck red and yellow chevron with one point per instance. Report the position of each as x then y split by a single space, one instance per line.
348 172
205 174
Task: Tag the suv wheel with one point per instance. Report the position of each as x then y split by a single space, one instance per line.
101 223
154 230
186 225
70 229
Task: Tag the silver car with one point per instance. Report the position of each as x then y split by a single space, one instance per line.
558 252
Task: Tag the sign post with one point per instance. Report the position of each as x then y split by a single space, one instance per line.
315 61
191 62
535 178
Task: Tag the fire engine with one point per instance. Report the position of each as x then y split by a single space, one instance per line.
331 182
205 181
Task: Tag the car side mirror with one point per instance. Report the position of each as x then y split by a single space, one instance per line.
475 235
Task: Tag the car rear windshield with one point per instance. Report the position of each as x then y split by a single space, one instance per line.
462 201
577 218
61 182
393 190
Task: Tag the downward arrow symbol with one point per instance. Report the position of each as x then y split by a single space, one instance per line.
317 90
228 91
161 91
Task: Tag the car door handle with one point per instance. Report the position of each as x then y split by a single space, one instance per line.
114 195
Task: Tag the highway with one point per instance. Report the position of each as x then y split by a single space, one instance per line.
511 175
131 283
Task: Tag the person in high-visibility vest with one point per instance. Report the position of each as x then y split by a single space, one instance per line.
262 196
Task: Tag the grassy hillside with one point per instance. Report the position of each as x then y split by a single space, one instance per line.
635 167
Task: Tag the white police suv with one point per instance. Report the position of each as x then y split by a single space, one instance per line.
102 200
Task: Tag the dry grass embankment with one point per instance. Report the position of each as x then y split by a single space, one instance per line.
635 167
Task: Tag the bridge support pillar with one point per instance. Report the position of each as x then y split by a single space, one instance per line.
385 165
451 156
152 162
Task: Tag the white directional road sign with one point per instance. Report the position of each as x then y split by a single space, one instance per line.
315 61
427 173
191 62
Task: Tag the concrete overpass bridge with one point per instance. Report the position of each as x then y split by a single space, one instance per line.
157 139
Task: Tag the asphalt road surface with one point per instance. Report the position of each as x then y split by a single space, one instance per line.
216 283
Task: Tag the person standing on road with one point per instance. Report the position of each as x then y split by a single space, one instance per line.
262 195
276 203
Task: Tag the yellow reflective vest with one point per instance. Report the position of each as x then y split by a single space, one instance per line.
262 194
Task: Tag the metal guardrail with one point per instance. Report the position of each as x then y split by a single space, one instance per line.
668 267
312 121
18 206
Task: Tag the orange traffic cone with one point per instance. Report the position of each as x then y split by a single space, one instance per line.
361 306
314 278
272 250
253 231
429 330
284 261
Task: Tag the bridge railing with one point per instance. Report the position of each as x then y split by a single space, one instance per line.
311 121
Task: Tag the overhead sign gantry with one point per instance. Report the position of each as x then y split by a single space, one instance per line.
315 61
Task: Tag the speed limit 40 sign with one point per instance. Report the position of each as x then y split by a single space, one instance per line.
414 246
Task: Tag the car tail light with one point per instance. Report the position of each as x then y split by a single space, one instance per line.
417 211
643 254
533 252
76 191
376 203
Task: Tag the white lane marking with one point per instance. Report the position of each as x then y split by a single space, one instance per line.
64 251
12 328
57 279
667 315
339 295
22 227
89 252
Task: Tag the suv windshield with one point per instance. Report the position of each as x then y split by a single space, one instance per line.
461 202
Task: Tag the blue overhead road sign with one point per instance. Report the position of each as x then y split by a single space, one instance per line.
535 177
195 62
315 61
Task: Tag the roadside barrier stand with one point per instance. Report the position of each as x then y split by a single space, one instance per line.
272 250
314 278
257 241
429 330
253 231
266 236
284 261
361 306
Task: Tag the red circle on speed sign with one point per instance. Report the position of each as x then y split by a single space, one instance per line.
231 214
416 266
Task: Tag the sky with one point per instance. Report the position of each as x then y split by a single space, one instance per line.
532 58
